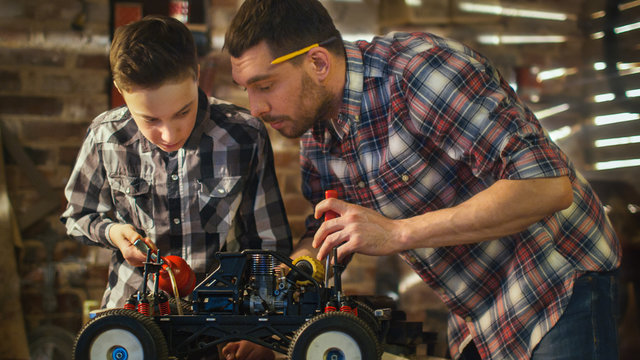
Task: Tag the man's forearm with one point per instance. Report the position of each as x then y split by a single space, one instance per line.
505 208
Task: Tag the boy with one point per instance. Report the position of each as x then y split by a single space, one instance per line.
194 175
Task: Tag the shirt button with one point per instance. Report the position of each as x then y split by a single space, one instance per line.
405 177
176 221
174 177
467 319
127 190
220 190
361 184
356 118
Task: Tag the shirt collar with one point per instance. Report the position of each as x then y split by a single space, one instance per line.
199 127
351 99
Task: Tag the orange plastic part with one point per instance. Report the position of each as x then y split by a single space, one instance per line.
184 275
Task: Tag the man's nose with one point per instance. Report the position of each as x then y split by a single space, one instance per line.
258 107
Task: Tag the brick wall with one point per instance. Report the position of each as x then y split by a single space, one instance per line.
53 80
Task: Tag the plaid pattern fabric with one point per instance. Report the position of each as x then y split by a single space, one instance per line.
426 123
218 193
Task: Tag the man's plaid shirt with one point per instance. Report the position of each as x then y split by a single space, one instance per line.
426 123
219 192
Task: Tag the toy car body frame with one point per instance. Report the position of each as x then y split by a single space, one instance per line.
246 298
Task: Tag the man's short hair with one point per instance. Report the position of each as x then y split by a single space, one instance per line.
149 52
285 25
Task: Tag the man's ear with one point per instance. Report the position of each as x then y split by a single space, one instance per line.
320 61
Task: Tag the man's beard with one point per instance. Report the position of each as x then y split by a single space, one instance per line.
314 103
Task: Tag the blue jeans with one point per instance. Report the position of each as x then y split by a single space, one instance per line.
588 328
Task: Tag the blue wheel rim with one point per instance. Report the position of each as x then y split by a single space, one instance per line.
119 353
334 354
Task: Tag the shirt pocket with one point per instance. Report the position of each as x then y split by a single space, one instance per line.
401 182
133 200
219 200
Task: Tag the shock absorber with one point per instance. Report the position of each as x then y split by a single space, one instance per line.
143 306
346 305
163 303
132 302
331 305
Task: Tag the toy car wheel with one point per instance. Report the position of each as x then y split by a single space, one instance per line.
367 314
120 334
334 335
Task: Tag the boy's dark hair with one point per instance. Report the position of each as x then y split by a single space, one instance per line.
151 51
285 25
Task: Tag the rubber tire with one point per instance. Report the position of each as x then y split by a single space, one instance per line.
367 314
140 327
341 324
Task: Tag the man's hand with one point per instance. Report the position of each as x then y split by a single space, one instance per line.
357 229
123 236
506 207
246 350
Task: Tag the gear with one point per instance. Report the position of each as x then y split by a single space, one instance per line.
311 266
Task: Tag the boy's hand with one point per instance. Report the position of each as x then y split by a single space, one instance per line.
123 236
246 350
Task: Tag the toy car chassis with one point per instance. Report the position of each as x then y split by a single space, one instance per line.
247 297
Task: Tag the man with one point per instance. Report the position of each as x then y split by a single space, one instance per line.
435 158
193 174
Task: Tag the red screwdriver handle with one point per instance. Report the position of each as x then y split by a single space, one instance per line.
330 214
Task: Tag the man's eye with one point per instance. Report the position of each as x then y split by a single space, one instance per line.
266 87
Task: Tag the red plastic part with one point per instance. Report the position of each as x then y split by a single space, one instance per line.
330 214
185 277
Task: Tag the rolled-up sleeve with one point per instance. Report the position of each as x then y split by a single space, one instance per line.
89 199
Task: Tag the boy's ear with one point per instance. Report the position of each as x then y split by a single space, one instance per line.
116 85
